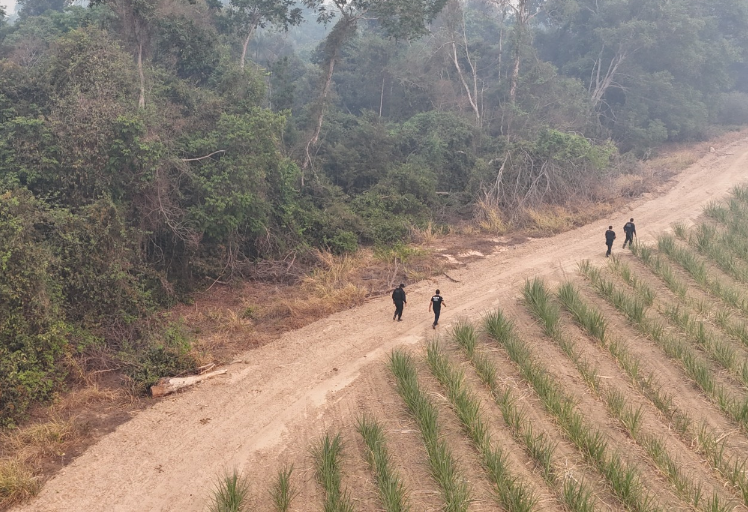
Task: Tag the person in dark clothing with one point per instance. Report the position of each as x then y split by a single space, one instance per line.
610 235
630 231
437 301
398 298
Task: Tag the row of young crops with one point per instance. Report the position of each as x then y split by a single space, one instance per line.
624 388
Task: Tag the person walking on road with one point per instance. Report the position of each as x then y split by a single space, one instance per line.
630 231
398 298
437 301
610 235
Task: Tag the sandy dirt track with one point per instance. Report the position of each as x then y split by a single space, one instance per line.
168 457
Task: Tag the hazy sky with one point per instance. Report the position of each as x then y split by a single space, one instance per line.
9 4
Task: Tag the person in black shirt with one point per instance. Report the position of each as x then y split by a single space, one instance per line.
610 235
630 229
398 298
437 301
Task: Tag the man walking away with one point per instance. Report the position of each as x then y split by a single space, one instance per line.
437 301
610 235
398 298
630 231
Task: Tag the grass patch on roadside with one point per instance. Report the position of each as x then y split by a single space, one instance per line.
17 482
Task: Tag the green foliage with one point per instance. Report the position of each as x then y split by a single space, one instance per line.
186 47
234 193
572 149
33 331
343 242
442 142
167 355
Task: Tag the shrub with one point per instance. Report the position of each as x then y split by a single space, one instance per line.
342 242
32 328
166 355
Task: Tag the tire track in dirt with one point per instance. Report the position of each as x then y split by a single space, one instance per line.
166 458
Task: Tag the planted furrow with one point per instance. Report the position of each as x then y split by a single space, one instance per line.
574 493
679 315
510 491
692 363
283 491
706 240
661 268
327 455
703 438
624 480
696 268
738 329
442 463
547 313
390 485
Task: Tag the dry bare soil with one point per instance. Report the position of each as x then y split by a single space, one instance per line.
277 401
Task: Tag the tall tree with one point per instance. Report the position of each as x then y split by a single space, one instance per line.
401 19
457 32
246 16
632 53
136 17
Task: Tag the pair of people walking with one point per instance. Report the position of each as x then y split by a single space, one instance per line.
629 228
400 300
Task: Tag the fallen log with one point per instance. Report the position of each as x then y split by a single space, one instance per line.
168 385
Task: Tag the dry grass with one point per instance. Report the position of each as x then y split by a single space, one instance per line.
427 235
550 219
631 185
679 161
326 290
31 446
17 482
490 219
83 398
673 158
46 438
33 451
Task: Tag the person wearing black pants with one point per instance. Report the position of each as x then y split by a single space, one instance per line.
437 301
610 235
630 229
398 298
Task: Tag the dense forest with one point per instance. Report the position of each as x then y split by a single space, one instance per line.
147 144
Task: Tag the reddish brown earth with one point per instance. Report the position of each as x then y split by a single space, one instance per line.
277 400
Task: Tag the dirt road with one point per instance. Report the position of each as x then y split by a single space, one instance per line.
280 396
